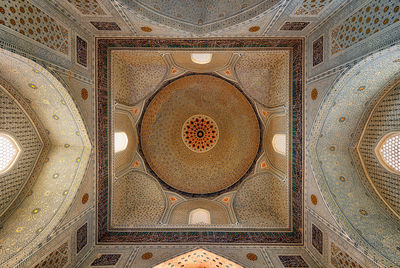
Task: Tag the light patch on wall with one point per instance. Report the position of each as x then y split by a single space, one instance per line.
201 58
120 141
9 152
279 143
199 216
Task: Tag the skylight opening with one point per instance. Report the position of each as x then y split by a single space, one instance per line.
279 143
9 152
199 216
389 152
120 141
201 58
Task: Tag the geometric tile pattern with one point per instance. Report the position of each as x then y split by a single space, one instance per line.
56 259
23 17
198 258
368 20
271 88
339 172
384 120
340 259
318 51
81 237
312 7
137 199
81 51
135 75
262 201
17 124
106 260
317 239
105 26
294 26
198 16
234 155
294 236
88 7
293 261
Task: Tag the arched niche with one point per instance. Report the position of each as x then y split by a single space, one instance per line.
33 221
335 165
181 213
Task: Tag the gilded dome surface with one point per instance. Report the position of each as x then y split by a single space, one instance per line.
200 134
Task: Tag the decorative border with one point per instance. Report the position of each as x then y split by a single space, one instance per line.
103 104
78 49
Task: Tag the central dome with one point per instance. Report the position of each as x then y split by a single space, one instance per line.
200 134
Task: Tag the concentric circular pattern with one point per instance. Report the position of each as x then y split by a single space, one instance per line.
200 133
231 152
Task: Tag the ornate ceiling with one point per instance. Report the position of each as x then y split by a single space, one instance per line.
355 199
102 67
201 143
45 199
199 16
383 180
200 134
21 124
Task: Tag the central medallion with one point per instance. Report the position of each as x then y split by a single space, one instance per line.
200 133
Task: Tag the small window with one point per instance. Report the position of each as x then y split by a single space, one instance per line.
199 216
279 143
120 141
388 152
9 152
201 58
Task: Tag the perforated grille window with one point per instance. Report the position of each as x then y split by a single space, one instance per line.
390 151
8 152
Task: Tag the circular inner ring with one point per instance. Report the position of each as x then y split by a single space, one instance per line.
200 133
